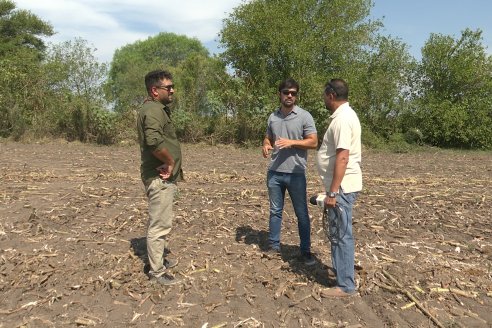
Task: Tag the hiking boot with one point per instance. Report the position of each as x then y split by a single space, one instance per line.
165 280
170 263
308 259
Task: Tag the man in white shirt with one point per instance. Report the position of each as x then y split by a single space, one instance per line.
338 161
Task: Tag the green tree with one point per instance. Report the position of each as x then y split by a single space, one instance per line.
19 93
199 80
74 94
21 30
130 63
455 101
21 50
385 88
266 41
270 40
73 68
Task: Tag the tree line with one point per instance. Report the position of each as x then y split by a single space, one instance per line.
61 90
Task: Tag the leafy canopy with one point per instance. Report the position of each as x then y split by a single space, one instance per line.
21 30
269 40
266 41
131 62
454 95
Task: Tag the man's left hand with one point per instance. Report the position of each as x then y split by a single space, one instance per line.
282 143
330 201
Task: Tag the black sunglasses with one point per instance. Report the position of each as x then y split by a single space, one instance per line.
166 87
289 92
330 89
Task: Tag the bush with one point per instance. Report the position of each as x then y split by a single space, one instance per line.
190 127
397 143
126 127
414 136
102 126
372 140
222 130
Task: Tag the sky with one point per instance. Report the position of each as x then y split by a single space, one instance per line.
111 24
412 21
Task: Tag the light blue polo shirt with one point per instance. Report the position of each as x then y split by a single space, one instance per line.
295 126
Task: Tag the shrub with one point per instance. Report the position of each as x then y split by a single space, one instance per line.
102 126
414 136
397 143
372 140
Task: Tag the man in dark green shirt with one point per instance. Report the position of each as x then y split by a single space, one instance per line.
160 170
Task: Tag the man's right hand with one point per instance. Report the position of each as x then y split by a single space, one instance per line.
266 149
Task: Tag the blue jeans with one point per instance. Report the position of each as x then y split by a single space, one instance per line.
295 184
342 240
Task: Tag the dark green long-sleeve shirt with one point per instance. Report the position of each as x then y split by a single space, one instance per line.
156 131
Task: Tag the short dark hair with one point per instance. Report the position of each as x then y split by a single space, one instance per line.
287 84
338 87
153 79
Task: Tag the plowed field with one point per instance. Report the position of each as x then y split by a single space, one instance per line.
72 243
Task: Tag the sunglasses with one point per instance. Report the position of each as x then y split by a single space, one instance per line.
166 87
289 92
330 89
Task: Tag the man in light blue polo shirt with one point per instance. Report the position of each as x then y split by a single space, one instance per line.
290 133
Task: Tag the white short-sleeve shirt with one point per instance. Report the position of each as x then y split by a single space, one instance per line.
344 132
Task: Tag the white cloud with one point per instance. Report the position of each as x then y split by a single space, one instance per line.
110 24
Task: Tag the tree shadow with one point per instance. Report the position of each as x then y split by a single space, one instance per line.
290 254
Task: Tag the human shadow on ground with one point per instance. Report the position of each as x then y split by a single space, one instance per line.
290 254
139 247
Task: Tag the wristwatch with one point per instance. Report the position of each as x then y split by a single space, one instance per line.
331 194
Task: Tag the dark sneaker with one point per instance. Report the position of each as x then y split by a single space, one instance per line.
165 280
308 259
170 263
273 252
336 292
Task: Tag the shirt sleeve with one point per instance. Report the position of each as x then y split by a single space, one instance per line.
269 132
342 135
309 125
154 123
